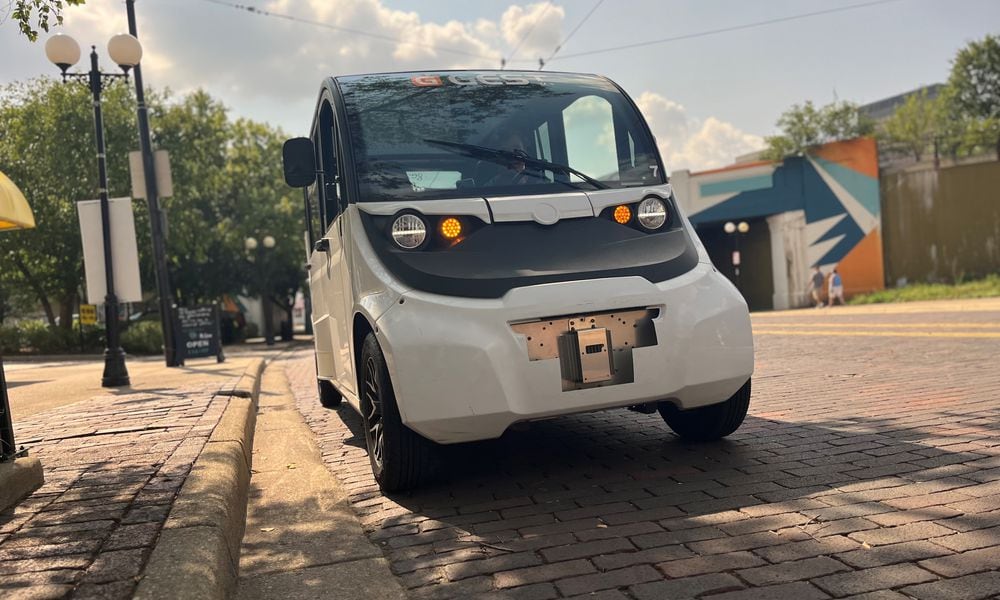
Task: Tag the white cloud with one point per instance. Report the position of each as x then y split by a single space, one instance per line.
689 143
538 25
259 64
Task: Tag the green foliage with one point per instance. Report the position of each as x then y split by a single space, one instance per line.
975 78
44 13
228 185
974 93
47 149
916 123
987 287
10 340
144 337
37 337
804 126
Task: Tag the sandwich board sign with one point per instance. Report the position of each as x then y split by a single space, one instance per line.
200 331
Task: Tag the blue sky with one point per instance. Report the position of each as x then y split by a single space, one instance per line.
708 99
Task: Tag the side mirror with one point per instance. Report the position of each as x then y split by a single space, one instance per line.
299 159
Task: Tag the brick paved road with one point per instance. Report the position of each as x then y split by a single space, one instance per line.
870 462
113 465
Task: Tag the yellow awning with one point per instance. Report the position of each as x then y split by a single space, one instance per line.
14 210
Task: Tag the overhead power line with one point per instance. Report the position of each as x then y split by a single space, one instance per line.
542 61
709 32
386 38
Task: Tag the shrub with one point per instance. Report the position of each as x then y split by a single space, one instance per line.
144 337
10 340
93 337
38 337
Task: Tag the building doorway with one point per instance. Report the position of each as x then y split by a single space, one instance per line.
756 280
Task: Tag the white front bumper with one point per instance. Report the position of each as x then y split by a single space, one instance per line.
460 373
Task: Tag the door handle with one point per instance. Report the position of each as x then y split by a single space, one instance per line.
322 245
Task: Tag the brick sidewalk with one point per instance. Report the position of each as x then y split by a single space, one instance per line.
868 465
113 465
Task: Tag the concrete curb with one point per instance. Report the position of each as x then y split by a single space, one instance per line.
198 553
18 479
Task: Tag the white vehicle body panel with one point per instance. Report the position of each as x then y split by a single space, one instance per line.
460 373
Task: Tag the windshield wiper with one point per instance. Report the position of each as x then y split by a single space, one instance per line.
506 156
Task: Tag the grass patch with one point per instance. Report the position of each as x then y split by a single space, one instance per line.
981 288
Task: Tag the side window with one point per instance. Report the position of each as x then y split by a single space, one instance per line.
591 146
543 144
326 148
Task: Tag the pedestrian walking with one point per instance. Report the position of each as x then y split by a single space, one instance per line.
816 287
836 288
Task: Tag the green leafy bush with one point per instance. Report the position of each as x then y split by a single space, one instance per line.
37 337
92 337
10 340
988 287
144 337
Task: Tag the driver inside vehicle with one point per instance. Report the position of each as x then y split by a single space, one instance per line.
514 172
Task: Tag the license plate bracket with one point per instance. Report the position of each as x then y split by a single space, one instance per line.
594 351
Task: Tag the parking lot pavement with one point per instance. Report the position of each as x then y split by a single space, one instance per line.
113 464
870 464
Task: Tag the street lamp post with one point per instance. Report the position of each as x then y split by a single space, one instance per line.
125 50
736 230
258 253
171 352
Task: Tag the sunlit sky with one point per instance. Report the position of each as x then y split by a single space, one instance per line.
708 98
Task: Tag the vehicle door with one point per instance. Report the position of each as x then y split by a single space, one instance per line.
328 269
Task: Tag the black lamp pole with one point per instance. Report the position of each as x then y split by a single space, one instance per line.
115 373
172 357
8 449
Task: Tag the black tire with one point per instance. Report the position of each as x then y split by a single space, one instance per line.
708 423
329 397
400 458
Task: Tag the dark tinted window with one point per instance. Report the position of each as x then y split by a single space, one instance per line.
397 123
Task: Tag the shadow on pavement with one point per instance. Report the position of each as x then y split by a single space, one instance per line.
618 488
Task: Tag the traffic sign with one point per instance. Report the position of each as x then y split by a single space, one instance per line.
88 314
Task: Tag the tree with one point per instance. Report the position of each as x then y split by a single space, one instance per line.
261 205
195 131
227 185
42 12
47 148
915 124
975 89
804 126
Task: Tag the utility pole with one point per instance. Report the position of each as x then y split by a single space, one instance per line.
170 351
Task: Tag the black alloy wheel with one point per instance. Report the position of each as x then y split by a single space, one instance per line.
400 458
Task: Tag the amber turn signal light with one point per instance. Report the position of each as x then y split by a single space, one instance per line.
623 214
450 228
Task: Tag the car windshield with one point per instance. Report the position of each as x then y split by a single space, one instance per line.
449 135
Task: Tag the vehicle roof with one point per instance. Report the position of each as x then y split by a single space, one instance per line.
469 71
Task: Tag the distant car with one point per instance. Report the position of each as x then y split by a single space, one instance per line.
495 247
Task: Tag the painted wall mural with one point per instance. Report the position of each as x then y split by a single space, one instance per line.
836 186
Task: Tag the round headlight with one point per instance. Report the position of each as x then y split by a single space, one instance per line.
652 213
409 231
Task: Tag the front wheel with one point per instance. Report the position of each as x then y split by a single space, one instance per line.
708 422
400 458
